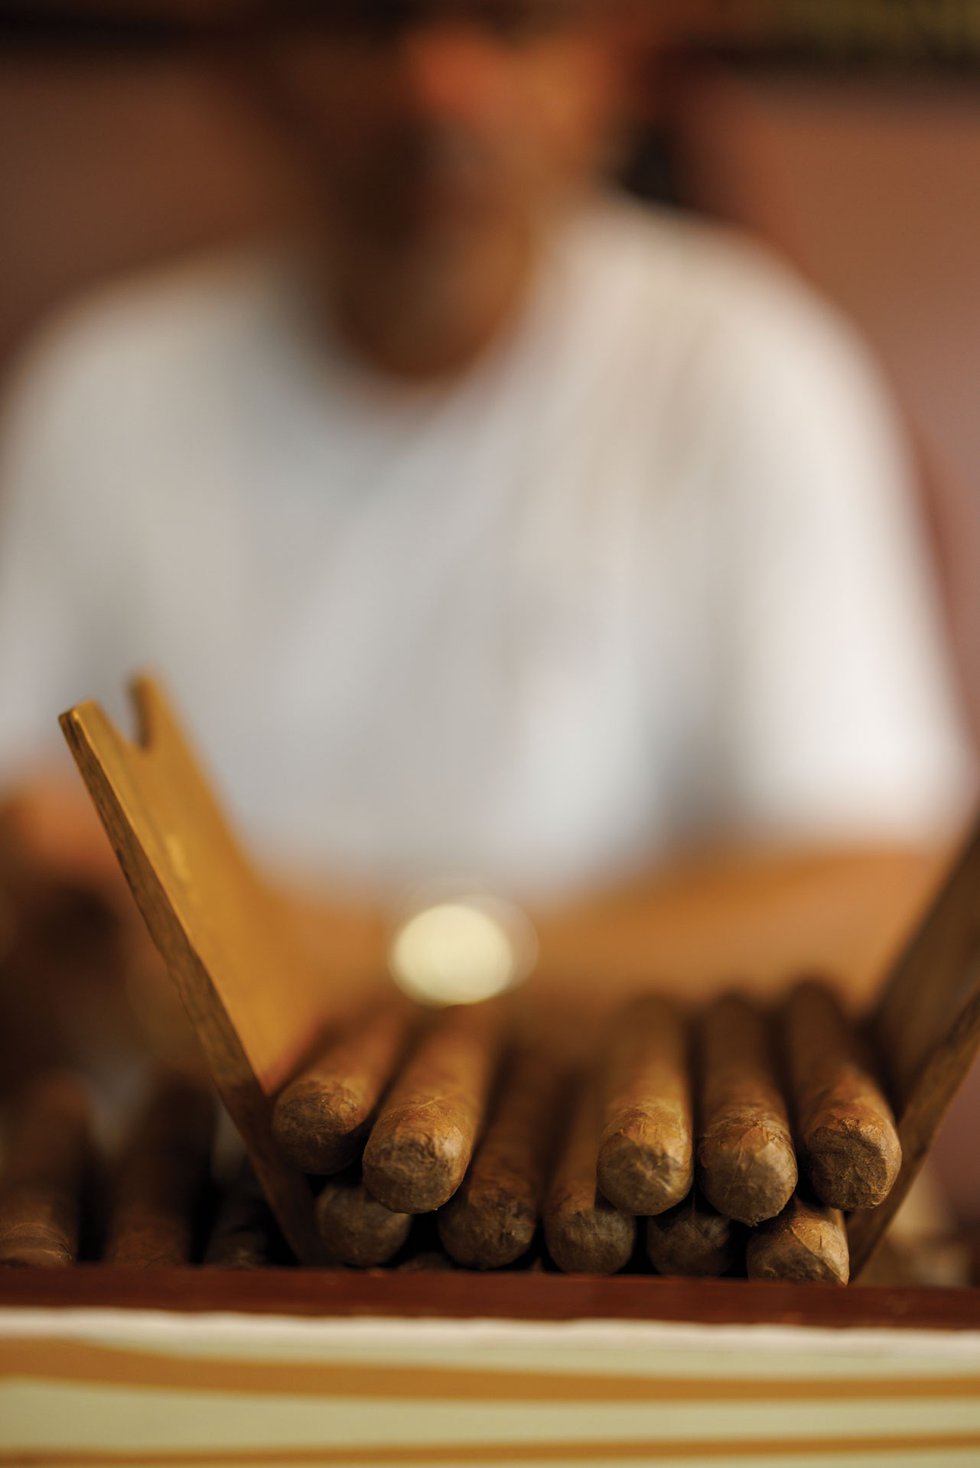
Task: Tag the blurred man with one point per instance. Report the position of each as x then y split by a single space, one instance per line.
496 528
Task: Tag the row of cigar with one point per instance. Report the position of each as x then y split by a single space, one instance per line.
729 1141
151 1203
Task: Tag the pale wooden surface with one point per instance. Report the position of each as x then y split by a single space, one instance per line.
253 996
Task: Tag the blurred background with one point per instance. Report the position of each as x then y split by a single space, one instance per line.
845 132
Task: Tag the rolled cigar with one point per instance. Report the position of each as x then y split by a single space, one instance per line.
46 1159
491 1220
584 1232
422 1142
321 1120
806 1243
159 1185
244 1235
356 1229
692 1239
746 1164
646 1146
849 1148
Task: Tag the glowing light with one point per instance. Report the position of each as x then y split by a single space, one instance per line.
462 951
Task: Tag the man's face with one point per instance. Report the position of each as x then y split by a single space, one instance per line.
441 128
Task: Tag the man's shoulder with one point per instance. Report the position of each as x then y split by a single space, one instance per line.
147 328
701 272
726 306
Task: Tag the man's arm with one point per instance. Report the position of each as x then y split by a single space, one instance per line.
756 919
751 918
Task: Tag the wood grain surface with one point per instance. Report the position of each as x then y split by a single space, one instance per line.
460 1294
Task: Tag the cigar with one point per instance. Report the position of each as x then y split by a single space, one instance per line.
849 1148
745 1160
806 1243
584 1233
321 1120
646 1147
692 1239
244 1235
491 1221
356 1229
47 1157
161 1178
422 1142
426 1261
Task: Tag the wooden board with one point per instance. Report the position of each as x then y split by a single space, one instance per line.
253 996
926 1030
500 1295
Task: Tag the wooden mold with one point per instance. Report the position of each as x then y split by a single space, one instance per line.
259 1005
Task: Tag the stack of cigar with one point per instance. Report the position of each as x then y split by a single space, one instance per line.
729 1141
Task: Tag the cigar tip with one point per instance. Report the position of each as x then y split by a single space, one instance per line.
30 1255
691 1241
645 1168
356 1229
411 1169
593 1240
489 1229
854 1162
747 1172
319 1129
804 1243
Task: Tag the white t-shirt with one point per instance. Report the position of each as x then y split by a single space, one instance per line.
648 572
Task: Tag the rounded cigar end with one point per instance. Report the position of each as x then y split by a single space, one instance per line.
803 1245
34 1255
413 1167
489 1229
747 1172
356 1229
595 1240
853 1160
318 1128
692 1241
645 1165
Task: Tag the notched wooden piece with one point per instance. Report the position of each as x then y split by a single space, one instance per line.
252 994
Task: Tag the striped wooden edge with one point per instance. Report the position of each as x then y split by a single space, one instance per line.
711 1451
94 1364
